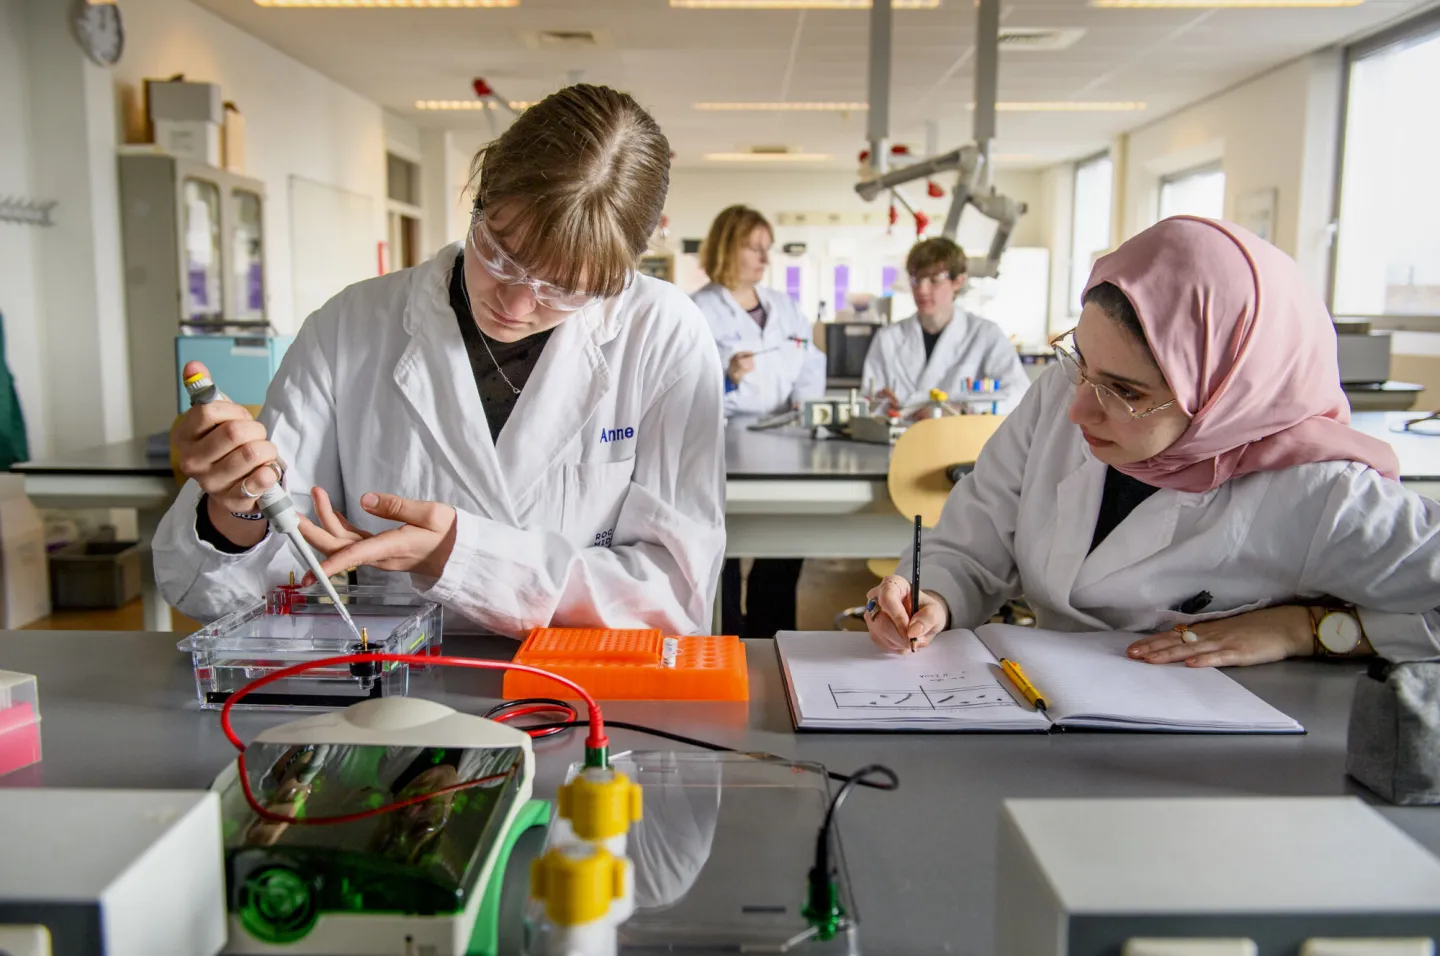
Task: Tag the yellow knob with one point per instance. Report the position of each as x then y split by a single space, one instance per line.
600 803
939 395
577 883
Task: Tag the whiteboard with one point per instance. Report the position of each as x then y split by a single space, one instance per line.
332 242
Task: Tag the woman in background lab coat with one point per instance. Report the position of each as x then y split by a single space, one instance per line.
770 366
523 428
941 345
1188 472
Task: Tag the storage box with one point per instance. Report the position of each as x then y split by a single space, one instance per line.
195 140
24 570
1081 877
95 574
119 872
186 119
183 100
19 722
232 142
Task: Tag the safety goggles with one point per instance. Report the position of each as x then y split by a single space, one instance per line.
504 269
1110 401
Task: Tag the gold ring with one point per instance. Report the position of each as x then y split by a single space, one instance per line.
1186 635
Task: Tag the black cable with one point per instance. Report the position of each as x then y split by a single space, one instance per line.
823 908
706 745
498 712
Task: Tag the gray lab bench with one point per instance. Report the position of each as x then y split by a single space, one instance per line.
119 710
787 495
790 496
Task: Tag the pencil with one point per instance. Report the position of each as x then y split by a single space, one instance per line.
915 579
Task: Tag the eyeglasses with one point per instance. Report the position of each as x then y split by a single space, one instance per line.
917 281
504 269
1113 405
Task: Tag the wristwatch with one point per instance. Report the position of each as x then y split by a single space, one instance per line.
1338 632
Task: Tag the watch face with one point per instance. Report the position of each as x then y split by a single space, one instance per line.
99 31
1340 632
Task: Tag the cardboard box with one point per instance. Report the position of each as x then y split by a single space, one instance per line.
182 100
195 140
233 139
24 565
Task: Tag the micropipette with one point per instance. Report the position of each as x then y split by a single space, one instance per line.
275 504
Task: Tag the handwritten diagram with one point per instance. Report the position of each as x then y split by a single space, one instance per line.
922 698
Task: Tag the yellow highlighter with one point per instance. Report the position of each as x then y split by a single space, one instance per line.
1022 683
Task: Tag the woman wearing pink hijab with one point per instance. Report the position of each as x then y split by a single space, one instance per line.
1188 473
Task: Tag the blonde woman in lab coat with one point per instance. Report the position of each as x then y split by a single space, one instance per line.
770 366
523 428
941 345
1187 473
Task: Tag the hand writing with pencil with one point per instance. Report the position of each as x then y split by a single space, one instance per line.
891 621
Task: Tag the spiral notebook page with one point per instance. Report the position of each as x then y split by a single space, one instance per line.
1089 681
839 680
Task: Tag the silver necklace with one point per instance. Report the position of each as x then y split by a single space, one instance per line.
484 339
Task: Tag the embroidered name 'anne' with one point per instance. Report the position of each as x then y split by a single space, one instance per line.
616 434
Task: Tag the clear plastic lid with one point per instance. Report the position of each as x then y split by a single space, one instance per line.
293 625
722 854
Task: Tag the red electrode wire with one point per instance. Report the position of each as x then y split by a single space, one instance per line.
596 739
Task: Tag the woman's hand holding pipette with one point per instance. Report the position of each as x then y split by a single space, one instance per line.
221 446
421 544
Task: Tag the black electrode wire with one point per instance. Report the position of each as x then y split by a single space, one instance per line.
721 748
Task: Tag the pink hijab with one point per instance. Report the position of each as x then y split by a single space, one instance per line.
1247 348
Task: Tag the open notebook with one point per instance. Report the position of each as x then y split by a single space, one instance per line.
841 681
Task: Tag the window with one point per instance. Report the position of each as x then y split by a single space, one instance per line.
1387 256
1195 192
402 186
1090 226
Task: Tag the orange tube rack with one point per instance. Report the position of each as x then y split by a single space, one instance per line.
627 665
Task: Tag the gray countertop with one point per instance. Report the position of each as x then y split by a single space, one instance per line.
118 710
120 458
790 453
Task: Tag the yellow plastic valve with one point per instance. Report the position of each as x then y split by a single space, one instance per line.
577 883
600 803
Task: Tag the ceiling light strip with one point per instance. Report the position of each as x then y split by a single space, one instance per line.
798 4
388 4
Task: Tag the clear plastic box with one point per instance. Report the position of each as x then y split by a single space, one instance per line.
19 721
301 624
721 856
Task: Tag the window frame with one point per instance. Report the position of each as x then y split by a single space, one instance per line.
1216 166
1072 296
1417 29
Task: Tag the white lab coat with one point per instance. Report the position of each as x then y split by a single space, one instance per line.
969 347
791 373
602 504
1023 520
